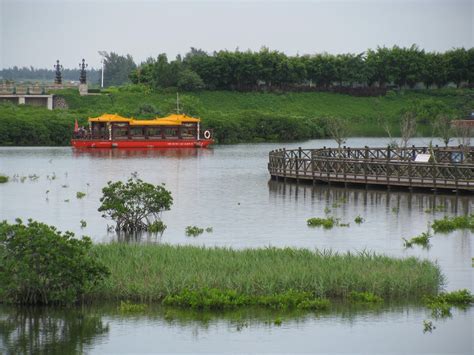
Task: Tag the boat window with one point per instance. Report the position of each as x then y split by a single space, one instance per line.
136 132
171 132
188 131
121 132
154 132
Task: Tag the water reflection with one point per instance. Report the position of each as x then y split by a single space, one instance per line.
104 329
180 153
36 330
392 200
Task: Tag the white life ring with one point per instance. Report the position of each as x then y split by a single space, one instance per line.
207 134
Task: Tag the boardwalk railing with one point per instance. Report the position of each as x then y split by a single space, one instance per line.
449 168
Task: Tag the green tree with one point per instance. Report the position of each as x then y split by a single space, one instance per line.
134 205
117 69
43 265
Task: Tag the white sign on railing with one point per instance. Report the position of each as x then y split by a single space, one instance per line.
423 158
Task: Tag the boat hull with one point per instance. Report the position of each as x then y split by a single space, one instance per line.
169 143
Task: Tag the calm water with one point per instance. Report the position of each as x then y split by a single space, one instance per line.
228 188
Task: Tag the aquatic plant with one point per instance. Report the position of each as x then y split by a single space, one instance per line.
428 326
213 298
43 265
449 224
278 322
128 307
423 239
326 223
209 230
193 231
83 223
395 209
439 208
33 177
365 297
441 304
3 179
358 220
80 194
134 205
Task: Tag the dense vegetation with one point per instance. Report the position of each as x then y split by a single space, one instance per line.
41 265
153 272
269 69
237 117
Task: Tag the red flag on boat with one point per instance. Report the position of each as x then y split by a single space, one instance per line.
76 126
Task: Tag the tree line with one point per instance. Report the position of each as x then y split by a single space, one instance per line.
401 67
236 70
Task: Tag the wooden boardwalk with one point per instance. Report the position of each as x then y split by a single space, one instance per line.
449 168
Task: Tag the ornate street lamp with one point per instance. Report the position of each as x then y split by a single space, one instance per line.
58 78
83 66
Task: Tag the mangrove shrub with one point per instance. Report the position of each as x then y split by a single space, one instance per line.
135 205
42 265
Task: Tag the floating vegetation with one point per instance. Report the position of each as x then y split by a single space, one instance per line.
23 179
395 210
33 177
157 227
52 177
441 304
209 230
67 200
65 186
428 326
80 194
83 223
327 210
449 224
326 223
365 297
193 231
278 321
423 239
359 220
128 307
217 299
3 179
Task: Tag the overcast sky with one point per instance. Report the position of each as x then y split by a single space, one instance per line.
37 32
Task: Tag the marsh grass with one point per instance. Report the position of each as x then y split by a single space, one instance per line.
152 272
449 224
326 223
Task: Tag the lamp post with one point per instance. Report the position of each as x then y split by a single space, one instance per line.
103 54
58 76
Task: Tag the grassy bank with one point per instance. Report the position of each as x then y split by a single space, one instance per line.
154 272
234 116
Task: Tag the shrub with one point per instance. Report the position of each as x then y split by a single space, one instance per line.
43 265
134 205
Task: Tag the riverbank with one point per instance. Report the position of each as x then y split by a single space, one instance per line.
151 272
234 116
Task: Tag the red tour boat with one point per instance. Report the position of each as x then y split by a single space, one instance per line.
114 131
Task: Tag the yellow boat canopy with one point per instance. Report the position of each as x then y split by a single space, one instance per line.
171 120
107 117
